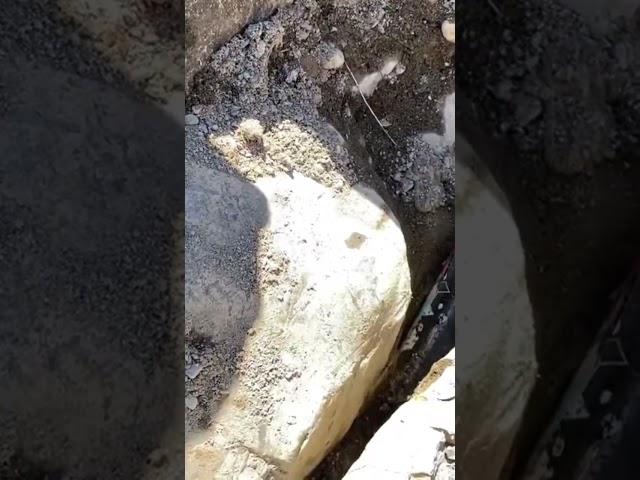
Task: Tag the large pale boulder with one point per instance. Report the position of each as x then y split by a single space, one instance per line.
498 370
332 287
412 443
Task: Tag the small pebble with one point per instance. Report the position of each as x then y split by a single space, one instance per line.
334 59
191 402
407 185
191 119
449 31
193 370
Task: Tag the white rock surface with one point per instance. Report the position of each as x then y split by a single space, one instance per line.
449 31
411 444
495 320
334 287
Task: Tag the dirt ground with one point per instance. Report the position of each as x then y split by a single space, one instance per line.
280 96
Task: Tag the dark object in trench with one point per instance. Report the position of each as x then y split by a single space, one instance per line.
431 337
594 435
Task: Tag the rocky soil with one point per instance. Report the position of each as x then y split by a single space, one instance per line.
344 93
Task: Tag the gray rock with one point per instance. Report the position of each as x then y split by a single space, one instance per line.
191 402
193 370
191 119
527 109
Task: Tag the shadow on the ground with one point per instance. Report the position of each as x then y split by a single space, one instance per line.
90 200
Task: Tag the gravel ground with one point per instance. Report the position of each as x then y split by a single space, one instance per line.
90 203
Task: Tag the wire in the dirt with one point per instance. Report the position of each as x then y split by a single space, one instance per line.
369 106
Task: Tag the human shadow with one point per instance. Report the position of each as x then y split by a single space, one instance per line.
224 216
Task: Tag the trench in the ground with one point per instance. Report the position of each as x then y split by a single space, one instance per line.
429 243
428 237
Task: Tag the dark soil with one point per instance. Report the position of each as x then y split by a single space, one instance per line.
561 144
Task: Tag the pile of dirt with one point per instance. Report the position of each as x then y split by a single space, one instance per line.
343 92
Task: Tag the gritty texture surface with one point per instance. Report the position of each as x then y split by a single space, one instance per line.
91 315
270 100
90 328
556 120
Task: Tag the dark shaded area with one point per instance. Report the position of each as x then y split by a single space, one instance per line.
601 442
565 154
91 198
224 216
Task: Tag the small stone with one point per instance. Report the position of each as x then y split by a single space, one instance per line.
251 332
302 34
193 370
449 31
191 402
251 131
197 109
293 76
406 185
332 58
150 37
191 119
